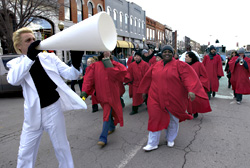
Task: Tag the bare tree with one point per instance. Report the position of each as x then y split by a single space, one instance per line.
15 14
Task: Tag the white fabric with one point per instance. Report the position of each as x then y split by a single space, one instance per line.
19 75
182 57
52 121
171 132
173 128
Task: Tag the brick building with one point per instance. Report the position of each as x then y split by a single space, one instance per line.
155 34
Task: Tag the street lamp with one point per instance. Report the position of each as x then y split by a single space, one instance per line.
143 41
61 25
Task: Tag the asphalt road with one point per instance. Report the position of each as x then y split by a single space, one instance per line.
219 139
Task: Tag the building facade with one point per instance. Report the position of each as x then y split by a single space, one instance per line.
129 19
155 37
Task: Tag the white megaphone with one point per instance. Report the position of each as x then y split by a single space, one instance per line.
97 33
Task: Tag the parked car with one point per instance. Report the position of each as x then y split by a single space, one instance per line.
247 54
4 85
84 63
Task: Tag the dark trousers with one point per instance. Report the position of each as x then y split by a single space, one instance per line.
73 82
238 97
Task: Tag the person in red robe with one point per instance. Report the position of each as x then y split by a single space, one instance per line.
240 73
198 105
233 53
169 84
136 71
213 65
90 61
130 60
105 77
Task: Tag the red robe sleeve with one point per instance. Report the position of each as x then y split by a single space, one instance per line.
145 82
202 74
189 79
129 60
88 85
152 61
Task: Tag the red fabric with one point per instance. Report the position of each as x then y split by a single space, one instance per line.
200 105
106 82
167 87
130 90
129 60
214 69
152 61
202 74
136 73
240 76
94 99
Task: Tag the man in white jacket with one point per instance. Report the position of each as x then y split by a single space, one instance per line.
46 97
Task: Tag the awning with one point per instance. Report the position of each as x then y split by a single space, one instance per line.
124 44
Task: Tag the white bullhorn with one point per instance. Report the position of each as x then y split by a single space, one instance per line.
97 33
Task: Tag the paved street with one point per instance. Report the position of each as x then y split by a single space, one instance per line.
219 139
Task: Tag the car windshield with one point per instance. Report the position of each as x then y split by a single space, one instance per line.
5 60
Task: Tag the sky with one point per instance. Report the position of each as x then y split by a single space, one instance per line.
203 21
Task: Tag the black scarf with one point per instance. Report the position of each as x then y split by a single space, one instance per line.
146 59
211 55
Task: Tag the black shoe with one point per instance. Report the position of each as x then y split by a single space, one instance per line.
133 112
94 108
195 115
214 94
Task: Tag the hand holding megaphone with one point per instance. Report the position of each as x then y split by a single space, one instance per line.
97 33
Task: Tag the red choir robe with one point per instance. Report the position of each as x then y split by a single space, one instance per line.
152 60
240 76
167 87
106 82
200 105
93 97
129 60
214 69
136 73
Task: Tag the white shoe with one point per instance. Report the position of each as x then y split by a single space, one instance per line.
149 148
238 102
171 144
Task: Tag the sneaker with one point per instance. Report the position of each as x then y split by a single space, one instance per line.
171 144
238 102
133 112
94 108
149 148
101 143
110 132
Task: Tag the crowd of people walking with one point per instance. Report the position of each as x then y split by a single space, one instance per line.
173 90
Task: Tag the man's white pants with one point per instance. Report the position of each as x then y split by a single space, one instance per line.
171 132
52 122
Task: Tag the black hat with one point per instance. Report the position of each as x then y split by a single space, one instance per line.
211 48
159 54
138 53
167 47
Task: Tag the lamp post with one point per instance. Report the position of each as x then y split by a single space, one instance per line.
143 41
61 25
